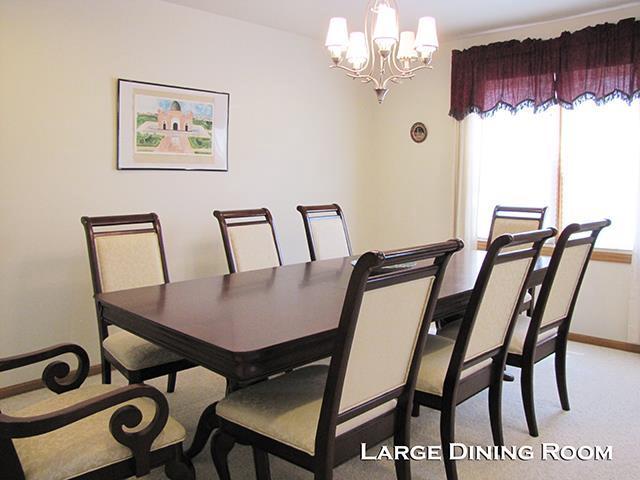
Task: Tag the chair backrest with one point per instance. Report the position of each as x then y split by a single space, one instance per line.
562 282
488 322
515 220
125 251
386 313
249 239
326 230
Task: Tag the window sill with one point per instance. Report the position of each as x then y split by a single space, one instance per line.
599 254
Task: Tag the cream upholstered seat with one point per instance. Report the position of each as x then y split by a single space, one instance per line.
287 408
135 353
520 334
86 445
317 416
435 363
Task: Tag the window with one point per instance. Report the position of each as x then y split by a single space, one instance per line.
583 164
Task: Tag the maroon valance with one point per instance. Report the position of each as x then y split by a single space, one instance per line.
600 63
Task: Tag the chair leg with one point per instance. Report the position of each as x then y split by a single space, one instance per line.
221 445
526 387
261 463
415 411
171 382
495 411
403 466
323 474
106 372
447 437
561 375
180 468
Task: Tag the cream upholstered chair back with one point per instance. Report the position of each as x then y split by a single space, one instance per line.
385 340
497 307
499 291
249 239
326 230
566 270
125 251
382 330
515 220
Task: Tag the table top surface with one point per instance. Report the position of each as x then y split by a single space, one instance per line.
249 311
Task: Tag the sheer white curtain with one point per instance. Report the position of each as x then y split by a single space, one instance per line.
633 333
468 135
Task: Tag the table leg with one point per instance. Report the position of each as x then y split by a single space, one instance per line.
206 425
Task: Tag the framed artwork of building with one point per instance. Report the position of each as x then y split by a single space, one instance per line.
163 127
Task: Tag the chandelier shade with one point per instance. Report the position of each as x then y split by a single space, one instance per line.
381 55
357 52
337 36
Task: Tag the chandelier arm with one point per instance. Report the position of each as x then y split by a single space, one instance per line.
356 74
407 74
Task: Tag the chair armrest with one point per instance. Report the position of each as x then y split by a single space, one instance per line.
55 375
129 416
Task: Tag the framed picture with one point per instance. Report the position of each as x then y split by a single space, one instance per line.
162 127
419 132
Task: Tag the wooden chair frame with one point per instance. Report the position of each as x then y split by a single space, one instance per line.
236 218
519 213
457 390
311 212
533 352
330 451
103 226
57 378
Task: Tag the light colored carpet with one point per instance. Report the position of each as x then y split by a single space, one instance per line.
604 389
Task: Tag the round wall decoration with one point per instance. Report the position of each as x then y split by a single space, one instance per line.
419 132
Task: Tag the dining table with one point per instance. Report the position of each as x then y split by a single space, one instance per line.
249 325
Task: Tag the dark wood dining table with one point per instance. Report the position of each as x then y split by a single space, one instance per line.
246 326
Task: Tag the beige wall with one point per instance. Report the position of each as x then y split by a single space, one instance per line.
417 180
297 135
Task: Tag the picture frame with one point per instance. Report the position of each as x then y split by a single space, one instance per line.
419 132
166 127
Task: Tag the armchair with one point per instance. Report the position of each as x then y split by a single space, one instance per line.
99 432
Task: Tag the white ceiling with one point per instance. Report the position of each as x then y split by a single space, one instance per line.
454 17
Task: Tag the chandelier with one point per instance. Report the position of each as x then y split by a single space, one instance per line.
382 55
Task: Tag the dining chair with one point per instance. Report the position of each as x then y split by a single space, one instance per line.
94 432
249 239
326 230
517 220
546 332
317 416
453 371
127 251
